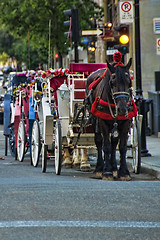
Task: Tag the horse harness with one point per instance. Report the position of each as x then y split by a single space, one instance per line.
111 116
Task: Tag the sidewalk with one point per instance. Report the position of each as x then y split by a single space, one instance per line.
151 164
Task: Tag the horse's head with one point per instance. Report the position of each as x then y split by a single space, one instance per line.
120 84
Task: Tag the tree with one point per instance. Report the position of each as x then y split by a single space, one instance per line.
21 17
4 57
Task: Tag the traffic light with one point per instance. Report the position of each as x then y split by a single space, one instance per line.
73 24
123 38
56 56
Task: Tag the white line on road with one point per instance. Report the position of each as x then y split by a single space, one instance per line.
80 224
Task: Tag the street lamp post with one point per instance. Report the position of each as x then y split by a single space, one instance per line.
139 91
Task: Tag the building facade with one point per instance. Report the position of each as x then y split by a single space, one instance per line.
149 38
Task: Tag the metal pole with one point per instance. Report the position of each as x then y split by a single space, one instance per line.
49 45
138 50
76 52
139 91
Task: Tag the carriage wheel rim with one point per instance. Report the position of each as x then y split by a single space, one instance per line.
35 143
58 150
44 157
21 141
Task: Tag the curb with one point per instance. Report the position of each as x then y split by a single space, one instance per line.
151 170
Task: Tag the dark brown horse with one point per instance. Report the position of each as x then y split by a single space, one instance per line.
109 97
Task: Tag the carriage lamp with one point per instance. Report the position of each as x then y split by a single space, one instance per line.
64 91
37 97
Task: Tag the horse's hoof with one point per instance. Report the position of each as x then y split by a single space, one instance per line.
125 178
67 164
99 175
76 165
85 167
107 176
115 174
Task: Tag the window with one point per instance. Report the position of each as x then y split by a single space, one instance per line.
156 25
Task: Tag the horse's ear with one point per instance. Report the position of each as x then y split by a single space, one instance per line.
129 64
110 67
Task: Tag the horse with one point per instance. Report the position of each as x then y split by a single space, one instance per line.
111 107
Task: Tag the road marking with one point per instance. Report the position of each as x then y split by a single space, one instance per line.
80 224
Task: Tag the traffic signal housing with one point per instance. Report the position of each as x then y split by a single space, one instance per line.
122 38
73 24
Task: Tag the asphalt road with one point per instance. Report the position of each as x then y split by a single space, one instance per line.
74 205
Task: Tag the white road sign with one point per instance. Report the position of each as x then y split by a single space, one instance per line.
91 32
158 46
111 51
126 11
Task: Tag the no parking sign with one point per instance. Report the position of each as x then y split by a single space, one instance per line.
158 46
126 11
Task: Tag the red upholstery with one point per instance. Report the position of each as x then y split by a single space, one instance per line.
79 94
86 67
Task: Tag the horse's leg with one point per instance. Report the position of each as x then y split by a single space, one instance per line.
76 161
100 162
107 171
114 142
67 163
123 173
85 165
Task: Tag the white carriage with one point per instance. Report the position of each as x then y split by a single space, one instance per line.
46 131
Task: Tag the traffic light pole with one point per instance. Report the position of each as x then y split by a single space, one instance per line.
76 56
139 91
74 27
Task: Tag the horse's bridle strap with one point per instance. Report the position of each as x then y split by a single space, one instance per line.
120 94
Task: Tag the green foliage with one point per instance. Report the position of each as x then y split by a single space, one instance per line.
4 58
28 20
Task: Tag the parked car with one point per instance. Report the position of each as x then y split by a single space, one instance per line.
1 108
1 82
8 83
1 79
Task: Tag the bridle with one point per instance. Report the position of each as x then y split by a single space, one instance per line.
116 95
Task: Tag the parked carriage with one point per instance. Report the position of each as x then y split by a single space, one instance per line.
46 131
16 121
77 134
50 116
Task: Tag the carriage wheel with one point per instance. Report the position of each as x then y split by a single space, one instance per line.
21 141
44 157
58 147
36 144
136 149
11 137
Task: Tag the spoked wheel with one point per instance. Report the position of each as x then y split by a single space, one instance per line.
136 147
36 144
58 147
11 138
44 157
21 141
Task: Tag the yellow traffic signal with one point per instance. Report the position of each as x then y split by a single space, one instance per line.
124 39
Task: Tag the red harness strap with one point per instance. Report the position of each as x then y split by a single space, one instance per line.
94 83
108 116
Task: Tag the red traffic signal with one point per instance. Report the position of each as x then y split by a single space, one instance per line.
56 55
